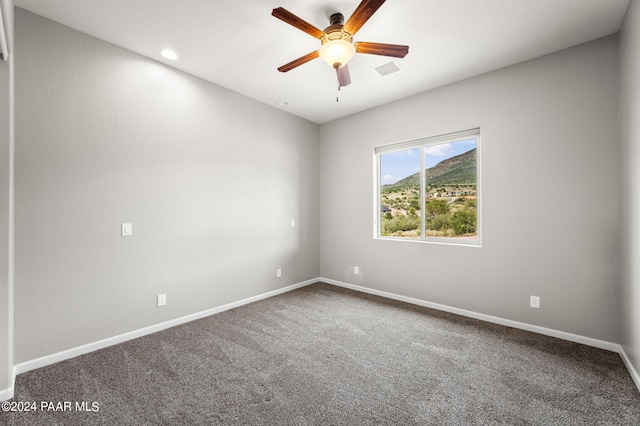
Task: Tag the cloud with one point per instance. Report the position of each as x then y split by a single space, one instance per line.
388 179
441 150
415 152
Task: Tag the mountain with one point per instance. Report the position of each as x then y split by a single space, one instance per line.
459 169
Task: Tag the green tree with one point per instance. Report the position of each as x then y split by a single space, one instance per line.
464 221
436 207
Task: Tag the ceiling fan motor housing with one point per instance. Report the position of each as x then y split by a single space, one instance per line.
336 19
335 32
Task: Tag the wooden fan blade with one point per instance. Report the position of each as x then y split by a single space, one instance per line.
301 60
383 49
291 19
361 15
344 77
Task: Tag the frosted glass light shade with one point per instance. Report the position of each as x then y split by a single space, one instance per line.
337 53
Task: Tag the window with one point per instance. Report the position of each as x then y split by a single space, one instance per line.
429 189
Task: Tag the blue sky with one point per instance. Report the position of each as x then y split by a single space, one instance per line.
395 166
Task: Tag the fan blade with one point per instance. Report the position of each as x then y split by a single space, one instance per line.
297 62
291 19
383 49
344 77
361 15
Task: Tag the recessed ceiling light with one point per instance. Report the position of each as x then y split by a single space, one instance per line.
169 54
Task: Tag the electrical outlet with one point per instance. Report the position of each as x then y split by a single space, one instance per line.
162 299
356 270
278 273
534 302
127 229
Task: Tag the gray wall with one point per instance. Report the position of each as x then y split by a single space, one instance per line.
630 137
550 195
6 215
210 180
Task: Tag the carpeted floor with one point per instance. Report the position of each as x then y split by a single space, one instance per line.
323 355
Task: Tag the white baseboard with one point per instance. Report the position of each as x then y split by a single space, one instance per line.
6 394
614 347
632 371
73 352
94 346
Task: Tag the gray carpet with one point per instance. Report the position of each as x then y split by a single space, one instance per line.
322 355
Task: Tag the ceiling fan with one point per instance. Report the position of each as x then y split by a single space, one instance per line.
337 40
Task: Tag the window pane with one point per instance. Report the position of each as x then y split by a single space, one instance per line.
400 194
451 190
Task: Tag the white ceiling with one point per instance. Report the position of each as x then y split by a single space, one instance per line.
239 45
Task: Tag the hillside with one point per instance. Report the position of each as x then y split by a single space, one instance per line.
455 170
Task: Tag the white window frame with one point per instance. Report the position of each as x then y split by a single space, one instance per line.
420 144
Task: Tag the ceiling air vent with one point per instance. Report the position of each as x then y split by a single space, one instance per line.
388 68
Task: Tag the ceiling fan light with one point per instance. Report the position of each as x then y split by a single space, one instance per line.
337 53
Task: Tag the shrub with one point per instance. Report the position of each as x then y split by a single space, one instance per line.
464 221
400 222
436 207
439 222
